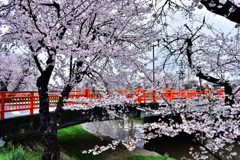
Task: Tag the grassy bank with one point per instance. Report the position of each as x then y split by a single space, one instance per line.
73 140
140 157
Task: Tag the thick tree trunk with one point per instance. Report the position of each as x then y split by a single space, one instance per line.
52 149
42 84
49 124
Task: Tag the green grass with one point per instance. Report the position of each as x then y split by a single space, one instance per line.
19 154
139 157
73 140
73 132
138 120
11 152
4 153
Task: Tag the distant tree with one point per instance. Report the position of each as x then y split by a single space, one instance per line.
16 73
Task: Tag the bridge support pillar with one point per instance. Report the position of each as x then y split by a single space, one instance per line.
2 105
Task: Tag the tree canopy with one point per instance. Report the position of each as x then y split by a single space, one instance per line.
107 41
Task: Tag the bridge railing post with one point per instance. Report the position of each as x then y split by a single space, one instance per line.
139 99
2 105
144 96
155 96
171 94
31 102
220 93
139 89
86 92
184 94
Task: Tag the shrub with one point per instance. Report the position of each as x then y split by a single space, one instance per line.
18 154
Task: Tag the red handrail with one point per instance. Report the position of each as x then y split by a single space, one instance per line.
29 100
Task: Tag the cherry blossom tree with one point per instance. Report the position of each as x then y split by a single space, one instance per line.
70 40
184 36
100 40
16 73
214 58
212 122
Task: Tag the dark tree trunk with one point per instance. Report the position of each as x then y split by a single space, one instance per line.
215 155
49 124
52 149
42 84
3 86
228 90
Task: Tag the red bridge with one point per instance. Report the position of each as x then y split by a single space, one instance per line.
29 100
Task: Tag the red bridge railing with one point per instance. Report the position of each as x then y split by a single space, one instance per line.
29 100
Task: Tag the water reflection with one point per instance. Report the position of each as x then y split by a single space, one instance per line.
176 147
114 128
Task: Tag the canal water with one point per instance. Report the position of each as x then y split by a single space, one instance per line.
113 128
175 147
